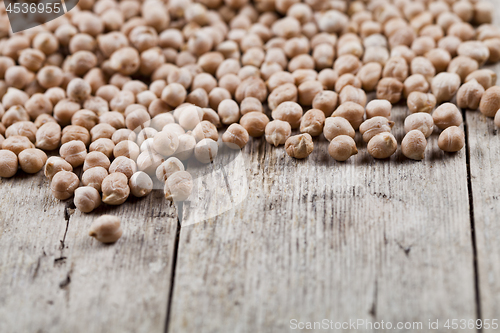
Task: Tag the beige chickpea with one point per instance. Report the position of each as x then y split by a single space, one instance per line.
228 111
31 59
373 126
113 118
254 123
206 150
137 119
122 100
403 51
351 111
74 152
389 89
96 104
475 50
179 186
123 134
469 95
78 89
55 94
250 104
299 146
230 82
493 45
497 119
158 107
81 62
423 66
94 177
335 126
41 120
251 87
140 184
204 81
205 129
446 115
328 77
483 12
286 93
421 102
217 95
168 168
96 159
419 121
462 66
382 145
290 112
236 136
415 82
17 77
485 77
22 128
312 122
126 148
106 229
352 94
115 189
450 44
444 86
123 165
439 58
396 67
85 118
102 130
188 116
452 139
378 107
64 111
55 164
342 147
15 114
198 97
490 101
63 184
174 94
174 128
347 80
422 45
369 75
413 145
105 146
325 101
166 143
74 132
87 198
125 60
8 163
376 54
347 64
186 147
17 144
14 97
308 90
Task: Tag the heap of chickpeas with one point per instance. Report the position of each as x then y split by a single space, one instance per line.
129 90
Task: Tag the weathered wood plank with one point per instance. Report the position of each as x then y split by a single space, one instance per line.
316 239
55 278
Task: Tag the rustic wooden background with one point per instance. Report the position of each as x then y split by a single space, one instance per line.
393 240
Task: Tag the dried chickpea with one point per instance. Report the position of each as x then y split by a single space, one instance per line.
55 164
78 89
179 186
389 89
415 82
308 90
396 67
254 123
373 126
189 116
101 131
168 168
140 184
205 129
347 64
452 139
475 50
228 111
299 146
347 80
74 132
17 77
123 165
206 150
440 59
17 144
328 77
423 66
87 198
14 114
325 101
352 94
286 93
137 119
369 75
469 95
290 112
64 111
165 143
22 128
105 146
419 121
63 184
94 177
493 45
96 159
115 190
414 144
312 122
342 147
446 115
250 104
8 163
382 145
497 119
106 229
186 146
490 101
335 126
462 66
485 77
444 86
74 152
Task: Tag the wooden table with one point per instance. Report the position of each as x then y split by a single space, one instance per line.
393 240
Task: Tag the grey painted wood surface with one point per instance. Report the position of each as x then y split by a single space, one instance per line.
55 278
376 240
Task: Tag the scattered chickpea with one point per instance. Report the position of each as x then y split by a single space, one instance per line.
32 160
106 229
382 145
8 163
74 132
93 177
444 86
105 146
390 89
254 123
485 77
342 147
115 190
373 126
74 152
17 144
452 139
168 168
206 150
179 186
290 112
86 199
299 146
414 144
421 102
446 115
186 146
490 101
353 112
124 165
419 121
312 122
469 95
63 184
235 136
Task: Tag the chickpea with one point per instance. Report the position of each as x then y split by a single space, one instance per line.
376 54
382 145
22 128
140 184
277 132
389 89
186 147
179 186
335 126
403 51
205 129
78 89
63 184
168 168
123 165
17 144
105 146
236 136
137 119
87 199
115 190
450 44
290 112
38 104
419 121
8 163
299 146
423 66
415 82
73 132
374 126
497 119
81 62
174 128
462 66
452 139
64 110
352 94
106 229
342 147
125 60
490 101
446 115
312 122
369 75
206 150
347 64
174 94
396 67
378 107
55 164
17 76
444 86
414 144
485 77
483 12
74 152
94 177
325 101
286 93
14 97
166 143
469 95
96 159
14 114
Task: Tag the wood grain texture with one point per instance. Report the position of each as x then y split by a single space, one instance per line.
376 240
55 278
